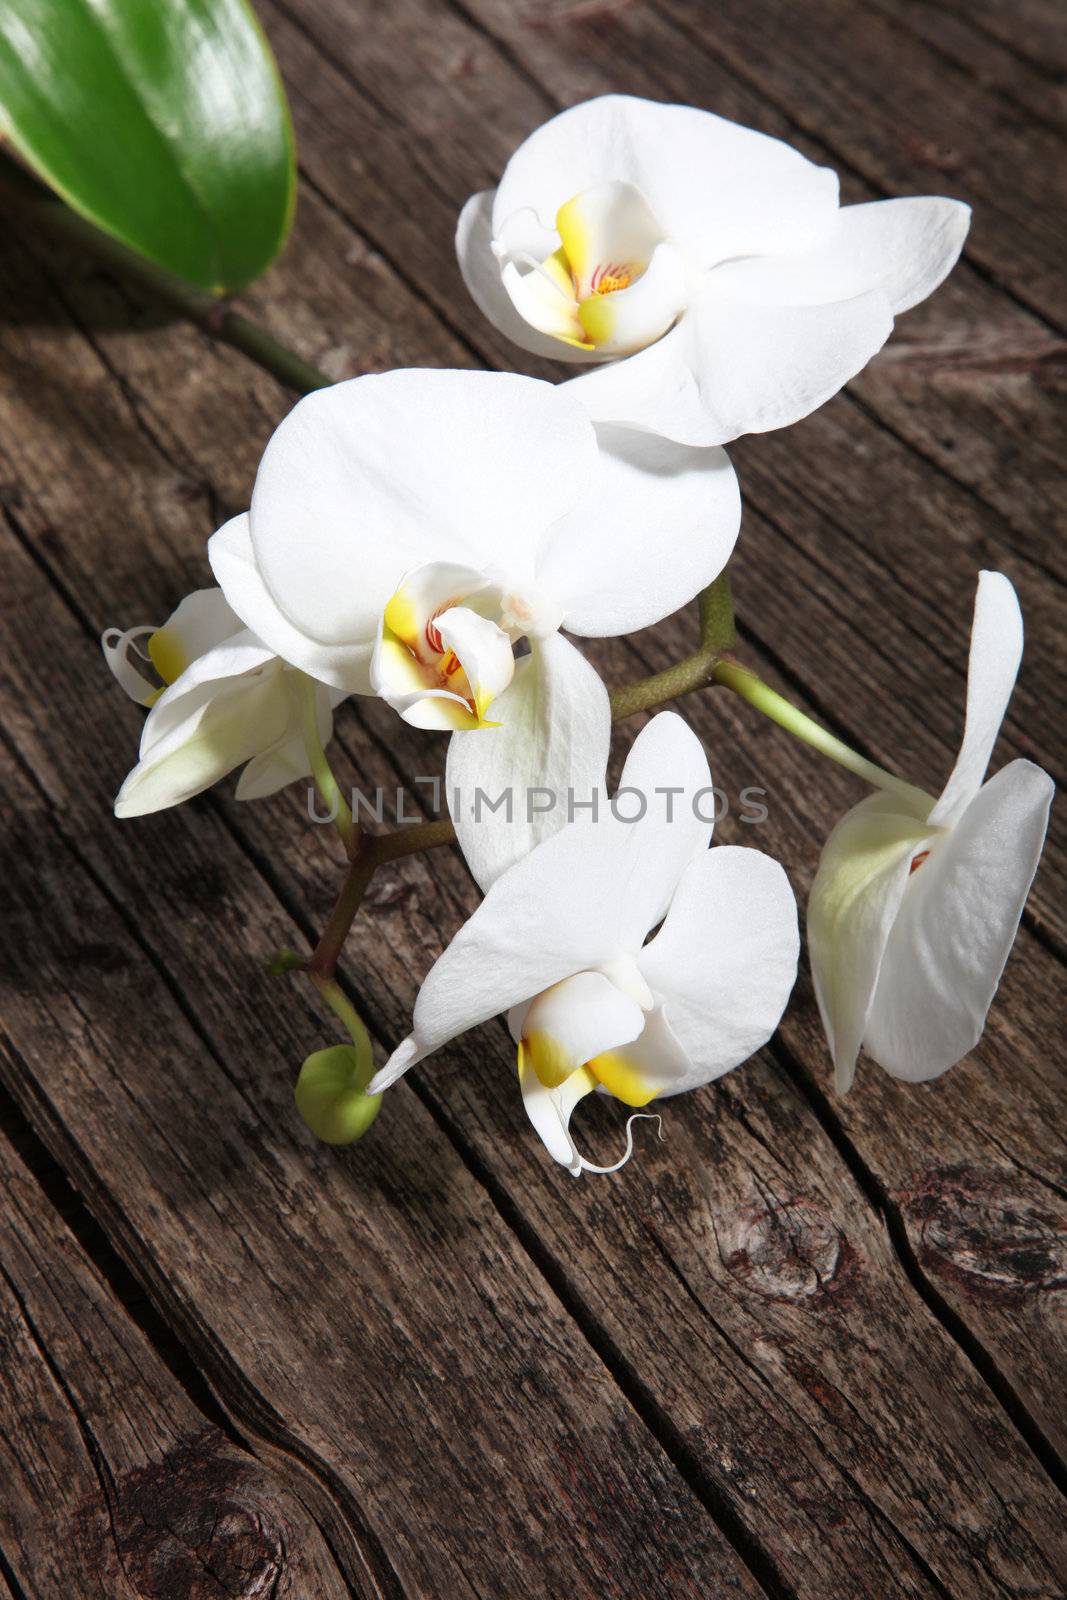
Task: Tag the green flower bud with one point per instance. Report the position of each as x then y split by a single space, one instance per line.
330 1094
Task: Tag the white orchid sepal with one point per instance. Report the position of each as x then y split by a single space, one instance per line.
916 902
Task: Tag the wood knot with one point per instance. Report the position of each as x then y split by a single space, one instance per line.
788 1250
980 1228
189 1528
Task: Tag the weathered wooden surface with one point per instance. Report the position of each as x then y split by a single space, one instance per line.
805 1347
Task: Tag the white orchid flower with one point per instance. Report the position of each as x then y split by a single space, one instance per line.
706 269
915 905
222 699
406 530
559 945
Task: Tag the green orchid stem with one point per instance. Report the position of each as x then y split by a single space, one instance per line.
345 1012
325 782
718 630
717 634
21 192
788 716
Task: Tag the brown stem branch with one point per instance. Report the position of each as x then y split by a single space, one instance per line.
372 852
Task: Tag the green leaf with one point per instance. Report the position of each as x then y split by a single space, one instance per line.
162 121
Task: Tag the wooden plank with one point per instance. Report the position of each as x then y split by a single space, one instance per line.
747 1162
115 1484
1005 398
966 39
1031 29
737 1425
377 1323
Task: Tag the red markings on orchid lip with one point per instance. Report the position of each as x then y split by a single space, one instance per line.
433 635
917 861
608 278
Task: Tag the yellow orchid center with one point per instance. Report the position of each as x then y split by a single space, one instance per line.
167 654
615 283
435 664
549 1059
442 659
609 279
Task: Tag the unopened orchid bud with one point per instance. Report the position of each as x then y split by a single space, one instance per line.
331 1094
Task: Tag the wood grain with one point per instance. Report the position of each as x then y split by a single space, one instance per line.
877 1526
375 1325
804 1347
115 1484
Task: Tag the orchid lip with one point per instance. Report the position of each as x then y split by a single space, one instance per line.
614 284
440 660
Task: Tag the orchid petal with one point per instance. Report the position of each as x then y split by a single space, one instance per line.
233 725
371 478
996 650
666 765
543 296
483 270
716 189
723 965
728 368
605 226
484 652
202 620
658 525
522 237
238 657
438 662
550 1110
345 666
856 895
435 710
955 928
511 786
420 598
287 761
275 769
654 1064
904 248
